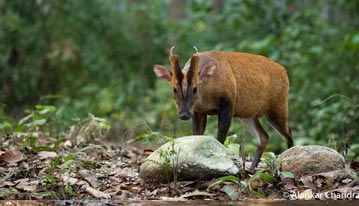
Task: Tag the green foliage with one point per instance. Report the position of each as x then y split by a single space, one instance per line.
151 138
221 180
5 122
69 190
93 56
354 175
169 156
353 153
170 163
232 192
38 119
287 174
61 164
269 174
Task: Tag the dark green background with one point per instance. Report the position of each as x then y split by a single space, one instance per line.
96 56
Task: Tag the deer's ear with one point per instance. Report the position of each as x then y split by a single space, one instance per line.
162 73
207 70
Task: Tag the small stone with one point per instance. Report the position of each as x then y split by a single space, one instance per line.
311 159
190 158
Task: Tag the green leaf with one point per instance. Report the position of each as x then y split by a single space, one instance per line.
68 189
32 141
39 122
287 174
257 194
221 180
2 193
244 184
234 149
5 125
58 142
267 177
57 161
143 138
24 119
44 109
90 164
49 179
229 178
47 194
69 157
42 148
270 155
231 191
354 176
54 164
211 186
66 164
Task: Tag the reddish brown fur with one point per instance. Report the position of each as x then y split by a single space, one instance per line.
255 84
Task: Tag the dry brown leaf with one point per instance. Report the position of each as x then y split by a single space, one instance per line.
115 171
231 190
335 174
69 179
67 144
114 179
81 182
257 183
26 187
46 155
97 193
185 183
153 193
6 183
12 156
347 181
133 189
147 152
21 180
307 181
289 183
90 178
196 193
325 180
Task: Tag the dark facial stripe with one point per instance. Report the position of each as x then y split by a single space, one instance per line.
176 68
192 68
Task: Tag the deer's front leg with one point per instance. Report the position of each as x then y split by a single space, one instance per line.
199 122
225 115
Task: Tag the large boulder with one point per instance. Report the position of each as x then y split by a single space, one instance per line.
311 159
190 158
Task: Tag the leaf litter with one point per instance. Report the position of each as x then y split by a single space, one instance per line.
82 166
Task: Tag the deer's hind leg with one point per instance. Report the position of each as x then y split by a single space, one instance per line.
278 119
255 128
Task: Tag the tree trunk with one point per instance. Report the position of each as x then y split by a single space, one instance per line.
177 10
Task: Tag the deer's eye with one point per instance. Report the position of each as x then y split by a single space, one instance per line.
174 90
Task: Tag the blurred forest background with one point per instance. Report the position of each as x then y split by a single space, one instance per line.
62 60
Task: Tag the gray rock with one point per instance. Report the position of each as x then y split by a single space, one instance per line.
311 159
190 157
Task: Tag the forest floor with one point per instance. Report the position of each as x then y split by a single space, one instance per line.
45 168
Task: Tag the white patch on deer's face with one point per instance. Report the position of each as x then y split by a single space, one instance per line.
184 90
